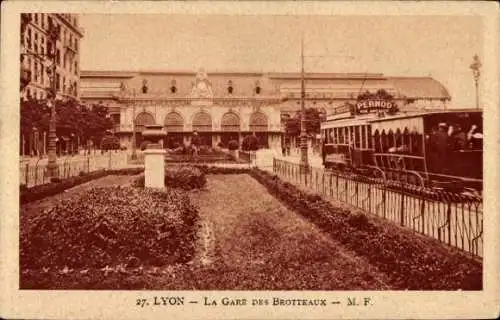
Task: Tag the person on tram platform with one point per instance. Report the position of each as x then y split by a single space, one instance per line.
459 138
440 147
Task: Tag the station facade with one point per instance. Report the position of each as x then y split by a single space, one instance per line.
224 106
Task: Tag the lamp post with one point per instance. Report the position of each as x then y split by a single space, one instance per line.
53 33
476 72
134 151
303 134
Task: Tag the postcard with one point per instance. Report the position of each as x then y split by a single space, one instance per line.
249 160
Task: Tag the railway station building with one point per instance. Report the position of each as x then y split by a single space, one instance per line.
224 106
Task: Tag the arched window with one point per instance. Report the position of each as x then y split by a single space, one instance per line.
173 86
230 122
230 87
202 122
258 122
257 87
174 122
142 120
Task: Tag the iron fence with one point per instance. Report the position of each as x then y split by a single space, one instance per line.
34 172
249 157
454 219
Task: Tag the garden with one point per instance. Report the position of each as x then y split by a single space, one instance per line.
221 229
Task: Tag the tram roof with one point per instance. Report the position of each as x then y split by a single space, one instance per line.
350 121
421 113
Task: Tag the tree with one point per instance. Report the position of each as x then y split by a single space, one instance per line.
250 143
313 122
72 118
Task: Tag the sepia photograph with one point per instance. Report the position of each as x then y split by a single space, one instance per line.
284 152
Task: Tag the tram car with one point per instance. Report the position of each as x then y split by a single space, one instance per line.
441 149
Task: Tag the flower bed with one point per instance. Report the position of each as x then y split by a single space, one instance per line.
49 189
412 261
183 177
221 170
110 226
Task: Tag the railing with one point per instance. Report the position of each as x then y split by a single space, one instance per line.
249 157
454 219
34 172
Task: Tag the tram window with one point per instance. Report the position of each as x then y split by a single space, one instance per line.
364 138
383 142
407 140
390 139
376 141
368 133
357 137
416 141
398 139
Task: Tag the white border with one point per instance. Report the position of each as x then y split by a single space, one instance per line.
121 304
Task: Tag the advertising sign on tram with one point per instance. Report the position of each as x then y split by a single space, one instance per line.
366 106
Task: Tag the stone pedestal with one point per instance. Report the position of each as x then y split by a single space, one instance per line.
154 168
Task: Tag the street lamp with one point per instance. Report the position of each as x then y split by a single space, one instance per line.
134 151
303 134
476 72
53 35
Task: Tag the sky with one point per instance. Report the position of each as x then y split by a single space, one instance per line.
437 46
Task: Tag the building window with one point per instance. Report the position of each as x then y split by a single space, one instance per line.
230 87
36 18
257 87
173 87
76 67
42 18
76 44
29 38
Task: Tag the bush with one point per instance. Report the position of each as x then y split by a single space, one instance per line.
222 170
108 226
233 145
412 261
110 143
185 177
250 143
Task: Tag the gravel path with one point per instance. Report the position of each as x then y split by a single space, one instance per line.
257 243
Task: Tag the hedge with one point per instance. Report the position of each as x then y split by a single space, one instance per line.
38 192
